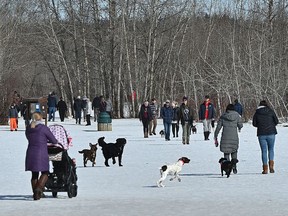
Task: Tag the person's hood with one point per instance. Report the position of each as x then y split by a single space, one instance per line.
230 115
263 110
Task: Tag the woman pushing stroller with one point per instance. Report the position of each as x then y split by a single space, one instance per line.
37 159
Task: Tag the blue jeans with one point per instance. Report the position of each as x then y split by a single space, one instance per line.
267 144
167 129
52 111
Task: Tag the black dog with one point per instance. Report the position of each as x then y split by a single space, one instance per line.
112 150
227 166
162 133
89 154
194 129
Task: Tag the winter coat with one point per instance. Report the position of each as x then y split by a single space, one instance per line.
229 121
13 112
78 104
238 108
185 114
62 106
88 107
265 120
167 114
145 113
37 154
211 111
102 107
154 110
96 102
176 114
108 106
52 101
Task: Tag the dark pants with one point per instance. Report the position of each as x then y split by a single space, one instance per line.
88 119
175 129
62 115
78 116
145 123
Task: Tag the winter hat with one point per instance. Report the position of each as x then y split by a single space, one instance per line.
167 101
185 98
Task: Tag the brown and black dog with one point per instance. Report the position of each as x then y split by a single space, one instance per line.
89 154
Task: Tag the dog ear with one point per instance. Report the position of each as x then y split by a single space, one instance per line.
90 144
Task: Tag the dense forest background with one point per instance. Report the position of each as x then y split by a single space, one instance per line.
156 48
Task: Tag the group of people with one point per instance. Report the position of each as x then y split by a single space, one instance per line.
264 119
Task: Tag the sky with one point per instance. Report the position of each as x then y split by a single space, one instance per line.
131 190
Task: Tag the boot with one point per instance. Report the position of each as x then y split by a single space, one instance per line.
206 135
145 134
40 186
265 169
33 184
271 166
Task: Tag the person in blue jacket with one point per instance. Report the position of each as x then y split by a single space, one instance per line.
238 107
167 116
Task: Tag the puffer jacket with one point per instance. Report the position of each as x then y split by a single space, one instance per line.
265 120
230 121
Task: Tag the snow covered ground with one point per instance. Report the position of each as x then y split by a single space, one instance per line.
131 190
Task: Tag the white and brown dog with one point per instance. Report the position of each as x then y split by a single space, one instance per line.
172 169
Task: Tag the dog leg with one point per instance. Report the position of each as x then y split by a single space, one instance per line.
120 160
106 162
160 181
84 161
113 159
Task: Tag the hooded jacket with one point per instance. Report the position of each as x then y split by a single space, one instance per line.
230 121
265 120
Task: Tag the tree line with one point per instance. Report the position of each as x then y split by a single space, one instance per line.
157 48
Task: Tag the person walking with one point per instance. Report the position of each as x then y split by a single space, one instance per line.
229 122
95 107
167 115
175 119
77 108
62 109
88 111
266 120
103 104
186 118
153 122
238 107
52 104
37 159
206 115
13 116
145 116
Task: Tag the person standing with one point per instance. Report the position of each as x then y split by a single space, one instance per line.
37 159
62 109
153 122
206 115
13 116
238 107
175 119
167 115
52 104
230 121
109 107
83 107
95 107
145 116
266 120
77 108
186 118
88 111
103 104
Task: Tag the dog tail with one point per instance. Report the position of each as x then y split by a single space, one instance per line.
81 152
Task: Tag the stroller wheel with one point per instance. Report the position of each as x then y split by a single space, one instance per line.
54 194
72 190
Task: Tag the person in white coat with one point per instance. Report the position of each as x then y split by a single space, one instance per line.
88 111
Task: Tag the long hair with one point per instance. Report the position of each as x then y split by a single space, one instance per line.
36 116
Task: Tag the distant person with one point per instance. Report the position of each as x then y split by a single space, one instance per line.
266 120
175 119
37 159
238 107
83 107
13 116
103 104
77 108
95 107
186 119
145 116
52 104
88 111
166 114
153 123
109 107
206 115
229 122
62 109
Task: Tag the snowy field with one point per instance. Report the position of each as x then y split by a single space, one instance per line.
131 190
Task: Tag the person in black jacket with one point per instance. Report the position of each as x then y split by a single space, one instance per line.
186 119
78 108
266 120
62 108
145 115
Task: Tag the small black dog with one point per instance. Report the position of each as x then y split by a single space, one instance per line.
194 129
162 133
89 154
228 166
112 150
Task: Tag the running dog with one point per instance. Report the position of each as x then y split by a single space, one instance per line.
172 169
228 166
89 154
112 150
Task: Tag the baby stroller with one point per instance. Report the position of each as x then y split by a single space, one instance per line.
63 178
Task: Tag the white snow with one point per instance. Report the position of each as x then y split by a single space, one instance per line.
131 190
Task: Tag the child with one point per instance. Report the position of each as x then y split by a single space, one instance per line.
13 116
